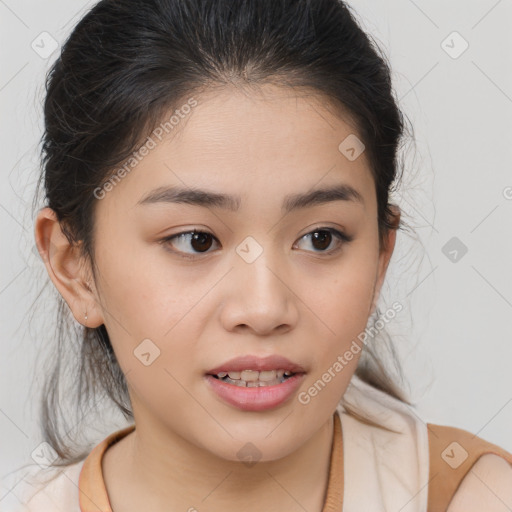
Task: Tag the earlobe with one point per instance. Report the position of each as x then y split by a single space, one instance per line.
65 268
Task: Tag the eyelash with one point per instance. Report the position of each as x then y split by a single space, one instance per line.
343 238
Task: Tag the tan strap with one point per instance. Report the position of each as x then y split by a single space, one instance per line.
452 453
334 495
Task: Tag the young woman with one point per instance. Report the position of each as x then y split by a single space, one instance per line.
217 178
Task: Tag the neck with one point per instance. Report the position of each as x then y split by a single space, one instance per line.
142 472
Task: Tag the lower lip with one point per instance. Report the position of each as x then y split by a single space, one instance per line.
256 399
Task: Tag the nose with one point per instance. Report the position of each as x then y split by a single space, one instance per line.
260 297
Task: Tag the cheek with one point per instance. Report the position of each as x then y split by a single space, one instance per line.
144 294
341 304
342 315
156 330
156 350
342 300
149 312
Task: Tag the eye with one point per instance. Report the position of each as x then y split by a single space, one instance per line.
323 237
200 241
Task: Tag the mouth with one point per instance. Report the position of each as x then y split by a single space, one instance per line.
255 393
254 378
253 383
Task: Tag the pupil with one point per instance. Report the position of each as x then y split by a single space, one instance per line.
200 237
322 236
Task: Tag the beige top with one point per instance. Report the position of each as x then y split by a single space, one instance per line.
414 469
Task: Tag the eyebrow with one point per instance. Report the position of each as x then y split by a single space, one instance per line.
291 202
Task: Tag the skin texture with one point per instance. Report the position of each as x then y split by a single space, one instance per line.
293 300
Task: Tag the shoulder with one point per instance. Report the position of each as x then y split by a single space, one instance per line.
467 473
33 489
487 486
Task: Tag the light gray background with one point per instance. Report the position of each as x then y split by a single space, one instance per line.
454 335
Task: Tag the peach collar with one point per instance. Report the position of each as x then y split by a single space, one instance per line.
93 495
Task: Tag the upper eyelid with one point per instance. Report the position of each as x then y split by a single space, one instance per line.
204 231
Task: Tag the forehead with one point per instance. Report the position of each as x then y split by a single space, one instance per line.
270 142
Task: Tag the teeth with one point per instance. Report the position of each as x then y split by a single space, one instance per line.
254 375
253 384
254 378
267 376
249 375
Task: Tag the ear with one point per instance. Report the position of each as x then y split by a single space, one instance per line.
67 270
385 254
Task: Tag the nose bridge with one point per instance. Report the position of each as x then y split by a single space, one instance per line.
257 266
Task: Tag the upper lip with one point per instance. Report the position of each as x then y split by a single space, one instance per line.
248 362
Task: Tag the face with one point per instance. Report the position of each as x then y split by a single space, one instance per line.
257 279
